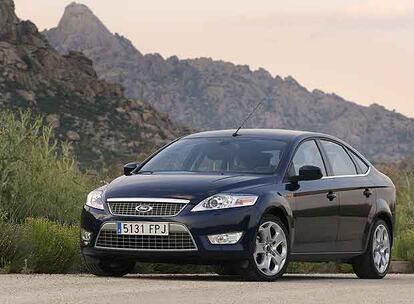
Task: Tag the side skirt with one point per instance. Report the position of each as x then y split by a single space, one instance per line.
324 256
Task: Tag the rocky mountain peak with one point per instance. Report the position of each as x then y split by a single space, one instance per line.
65 89
84 31
29 62
8 18
79 18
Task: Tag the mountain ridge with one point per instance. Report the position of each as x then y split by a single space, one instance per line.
209 94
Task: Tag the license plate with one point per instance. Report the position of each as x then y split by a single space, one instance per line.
142 228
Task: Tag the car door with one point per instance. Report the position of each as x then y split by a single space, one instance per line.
352 184
315 211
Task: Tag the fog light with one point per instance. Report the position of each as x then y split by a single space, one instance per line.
86 236
225 238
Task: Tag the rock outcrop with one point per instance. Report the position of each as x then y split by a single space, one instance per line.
207 94
103 125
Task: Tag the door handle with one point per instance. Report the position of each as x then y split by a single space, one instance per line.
331 196
367 192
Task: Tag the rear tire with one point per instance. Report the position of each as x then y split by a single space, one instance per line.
108 268
375 262
271 243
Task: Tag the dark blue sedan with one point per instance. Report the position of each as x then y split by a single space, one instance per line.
247 203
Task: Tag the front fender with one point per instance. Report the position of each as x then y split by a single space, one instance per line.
277 204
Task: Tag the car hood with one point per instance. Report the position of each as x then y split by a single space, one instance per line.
188 186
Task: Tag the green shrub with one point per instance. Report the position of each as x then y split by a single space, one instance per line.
404 246
46 247
405 202
403 177
38 177
7 244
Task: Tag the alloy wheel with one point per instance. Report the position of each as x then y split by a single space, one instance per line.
271 248
381 248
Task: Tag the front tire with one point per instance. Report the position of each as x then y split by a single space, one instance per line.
375 262
270 254
108 268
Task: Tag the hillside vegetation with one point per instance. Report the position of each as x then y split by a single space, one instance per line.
403 177
41 194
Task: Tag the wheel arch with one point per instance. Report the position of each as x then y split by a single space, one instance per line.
285 215
275 203
388 220
385 214
279 212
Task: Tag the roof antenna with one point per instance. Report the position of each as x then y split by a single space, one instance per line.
247 118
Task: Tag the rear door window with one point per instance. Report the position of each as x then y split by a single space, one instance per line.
338 158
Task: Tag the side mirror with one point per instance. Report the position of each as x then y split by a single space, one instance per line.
307 173
128 168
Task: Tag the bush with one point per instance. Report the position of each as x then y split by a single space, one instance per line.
38 177
405 202
404 246
7 245
46 247
403 177
41 196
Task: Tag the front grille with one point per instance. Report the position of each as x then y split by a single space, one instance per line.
178 239
166 207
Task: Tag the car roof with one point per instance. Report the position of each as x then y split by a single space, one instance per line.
293 136
282 134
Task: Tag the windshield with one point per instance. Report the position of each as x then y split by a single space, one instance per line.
232 155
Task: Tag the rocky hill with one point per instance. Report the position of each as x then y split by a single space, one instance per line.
207 94
93 114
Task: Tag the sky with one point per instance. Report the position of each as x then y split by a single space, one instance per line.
362 50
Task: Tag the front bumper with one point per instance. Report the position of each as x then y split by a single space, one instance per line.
198 224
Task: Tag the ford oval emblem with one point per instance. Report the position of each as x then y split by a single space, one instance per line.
143 208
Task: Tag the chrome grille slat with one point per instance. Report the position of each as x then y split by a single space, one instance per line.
159 208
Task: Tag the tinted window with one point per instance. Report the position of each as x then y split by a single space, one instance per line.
307 155
340 161
363 167
239 155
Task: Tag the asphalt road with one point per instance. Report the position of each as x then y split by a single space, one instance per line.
183 289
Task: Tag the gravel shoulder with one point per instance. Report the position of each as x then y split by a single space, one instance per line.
16 289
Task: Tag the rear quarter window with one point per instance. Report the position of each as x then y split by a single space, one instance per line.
362 166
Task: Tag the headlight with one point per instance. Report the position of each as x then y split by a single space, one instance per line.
95 198
223 201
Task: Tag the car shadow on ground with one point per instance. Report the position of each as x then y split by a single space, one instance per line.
218 278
